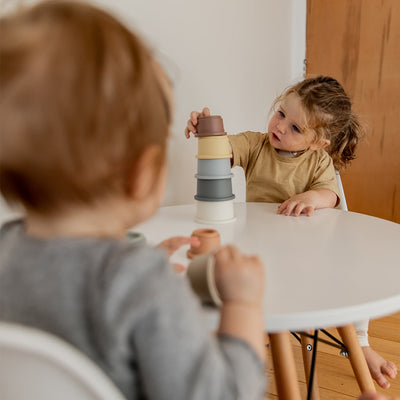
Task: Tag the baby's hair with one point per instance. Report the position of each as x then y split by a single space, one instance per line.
81 98
329 114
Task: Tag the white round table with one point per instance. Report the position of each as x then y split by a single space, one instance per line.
328 270
331 269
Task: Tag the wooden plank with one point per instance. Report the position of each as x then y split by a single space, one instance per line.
336 378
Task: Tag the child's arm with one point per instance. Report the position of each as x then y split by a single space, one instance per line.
192 122
307 202
240 283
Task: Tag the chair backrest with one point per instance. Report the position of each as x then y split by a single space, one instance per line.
38 365
343 203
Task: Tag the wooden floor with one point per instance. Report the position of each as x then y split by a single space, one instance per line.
335 376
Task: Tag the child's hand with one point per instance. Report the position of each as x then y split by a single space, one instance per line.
192 122
173 244
307 202
239 278
303 203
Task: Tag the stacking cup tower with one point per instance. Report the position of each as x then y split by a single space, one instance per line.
214 178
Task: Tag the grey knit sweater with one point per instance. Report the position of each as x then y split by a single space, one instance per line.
124 307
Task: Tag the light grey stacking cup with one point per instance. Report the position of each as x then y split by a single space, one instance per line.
217 168
214 189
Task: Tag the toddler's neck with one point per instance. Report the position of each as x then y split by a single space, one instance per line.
290 154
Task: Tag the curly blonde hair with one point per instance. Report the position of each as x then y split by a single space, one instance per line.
329 114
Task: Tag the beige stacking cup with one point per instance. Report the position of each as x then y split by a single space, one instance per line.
210 147
201 275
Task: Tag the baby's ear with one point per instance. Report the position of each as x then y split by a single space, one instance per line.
145 173
322 143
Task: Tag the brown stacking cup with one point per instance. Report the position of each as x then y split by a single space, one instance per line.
210 126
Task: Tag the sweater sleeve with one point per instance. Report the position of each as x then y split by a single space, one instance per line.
177 356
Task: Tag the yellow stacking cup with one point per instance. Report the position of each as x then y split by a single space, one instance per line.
210 147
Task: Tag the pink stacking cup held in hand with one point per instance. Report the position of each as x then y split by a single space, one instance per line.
209 240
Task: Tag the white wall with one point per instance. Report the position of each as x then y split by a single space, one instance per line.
234 56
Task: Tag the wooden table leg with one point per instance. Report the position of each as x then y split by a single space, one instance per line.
357 359
284 366
307 352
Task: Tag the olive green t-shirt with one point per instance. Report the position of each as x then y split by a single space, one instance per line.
272 178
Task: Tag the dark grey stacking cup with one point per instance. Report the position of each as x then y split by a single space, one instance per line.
214 190
216 168
210 126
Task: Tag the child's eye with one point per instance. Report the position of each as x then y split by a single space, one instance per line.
281 114
296 128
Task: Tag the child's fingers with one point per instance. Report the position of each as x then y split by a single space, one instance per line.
290 207
190 128
187 132
282 207
299 209
174 243
205 112
194 116
309 211
178 267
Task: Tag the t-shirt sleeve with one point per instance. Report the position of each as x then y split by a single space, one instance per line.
177 356
324 176
243 146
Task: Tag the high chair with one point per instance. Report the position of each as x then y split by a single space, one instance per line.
350 346
37 365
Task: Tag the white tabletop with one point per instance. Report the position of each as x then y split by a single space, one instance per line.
330 269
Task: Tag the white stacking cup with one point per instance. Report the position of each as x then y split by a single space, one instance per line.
214 212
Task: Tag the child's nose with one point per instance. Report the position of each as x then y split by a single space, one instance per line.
282 127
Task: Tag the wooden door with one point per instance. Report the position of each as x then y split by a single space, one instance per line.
358 43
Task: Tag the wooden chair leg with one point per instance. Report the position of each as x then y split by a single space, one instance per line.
307 344
357 359
284 366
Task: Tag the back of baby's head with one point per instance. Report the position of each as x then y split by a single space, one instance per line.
328 112
80 99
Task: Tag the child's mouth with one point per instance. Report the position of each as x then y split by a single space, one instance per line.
275 137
